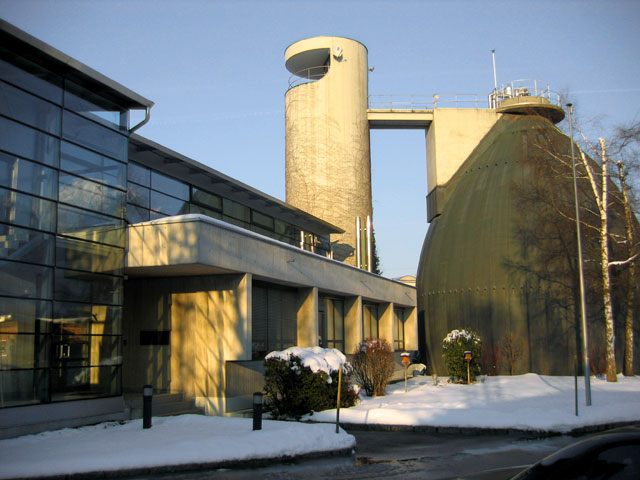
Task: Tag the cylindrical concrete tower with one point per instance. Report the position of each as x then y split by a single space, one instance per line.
328 166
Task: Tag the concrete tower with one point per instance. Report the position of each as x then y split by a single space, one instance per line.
328 169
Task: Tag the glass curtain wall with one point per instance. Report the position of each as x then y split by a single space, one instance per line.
274 324
152 195
63 165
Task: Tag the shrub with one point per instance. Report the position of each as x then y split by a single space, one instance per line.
373 366
299 381
453 347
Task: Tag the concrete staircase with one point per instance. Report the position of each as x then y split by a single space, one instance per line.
163 405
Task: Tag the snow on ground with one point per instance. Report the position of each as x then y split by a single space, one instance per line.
177 440
523 402
530 402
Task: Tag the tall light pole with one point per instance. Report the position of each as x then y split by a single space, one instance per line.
583 304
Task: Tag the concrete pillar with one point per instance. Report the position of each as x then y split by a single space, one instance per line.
353 328
328 165
411 329
307 315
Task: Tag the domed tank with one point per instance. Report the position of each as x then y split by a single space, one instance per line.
501 257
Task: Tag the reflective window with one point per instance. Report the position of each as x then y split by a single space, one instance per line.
94 107
34 78
84 382
29 177
29 143
332 326
398 328
27 211
235 210
24 387
168 205
91 257
92 226
93 196
370 313
262 220
25 245
26 108
83 319
93 166
24 280
21 315
23 351
205 211
206 199
139 174
96 137
86 350
75 286
137 214
138 195
168 185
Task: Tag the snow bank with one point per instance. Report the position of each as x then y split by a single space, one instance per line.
524 402
171 441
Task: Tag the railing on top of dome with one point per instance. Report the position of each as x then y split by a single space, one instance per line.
426 102
525 87
307 75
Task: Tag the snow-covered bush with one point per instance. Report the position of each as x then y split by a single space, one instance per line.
373 366
453 347
303 380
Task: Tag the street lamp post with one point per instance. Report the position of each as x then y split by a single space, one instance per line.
583 304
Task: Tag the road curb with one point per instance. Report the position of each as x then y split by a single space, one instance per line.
194 467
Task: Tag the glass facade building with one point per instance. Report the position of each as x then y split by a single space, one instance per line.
63 171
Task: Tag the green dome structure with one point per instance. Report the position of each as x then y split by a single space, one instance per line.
501 257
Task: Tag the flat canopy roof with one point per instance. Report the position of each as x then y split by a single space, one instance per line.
14 41
158 157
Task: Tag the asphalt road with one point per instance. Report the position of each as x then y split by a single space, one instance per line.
406 455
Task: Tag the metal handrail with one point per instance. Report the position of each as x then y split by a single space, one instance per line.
523 88
307 75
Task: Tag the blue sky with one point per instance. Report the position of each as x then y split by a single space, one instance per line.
215 70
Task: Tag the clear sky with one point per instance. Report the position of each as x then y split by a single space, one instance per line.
215 70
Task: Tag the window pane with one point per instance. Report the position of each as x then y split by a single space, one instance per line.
26 108
88 256
34 78
28 177
137 214
24 387
96 108
139 174
168 205
87 350
83 319
90 195
205 211
94 136
169 185
27 211
206 199
90 226
93 166
262 220
24 280
138 195
23 351
85 382
87 287
25 245
19 315
29 143
235 210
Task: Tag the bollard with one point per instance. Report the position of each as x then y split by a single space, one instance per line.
147 397
257 411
